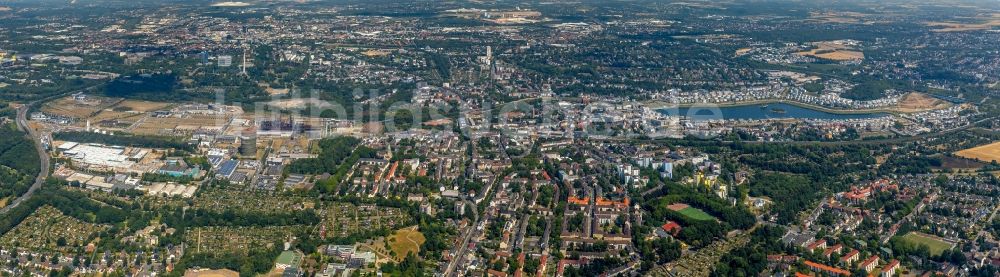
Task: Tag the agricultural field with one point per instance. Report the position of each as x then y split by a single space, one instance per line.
935 244
691 212
984 153
49 229
985 23
839 17
237 240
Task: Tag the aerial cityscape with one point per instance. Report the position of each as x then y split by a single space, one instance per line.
320 138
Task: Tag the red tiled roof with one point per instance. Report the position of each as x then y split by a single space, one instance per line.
831 249
826 268
496 273
578 201
854 252
891 265
671 227
869 260
601 201
815 244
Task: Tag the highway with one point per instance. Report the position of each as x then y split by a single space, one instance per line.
43 157
22 124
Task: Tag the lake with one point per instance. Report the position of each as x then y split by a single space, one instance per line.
772 110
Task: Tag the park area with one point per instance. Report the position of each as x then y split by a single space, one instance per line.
936 245
984 153
398 245
690 212
406 241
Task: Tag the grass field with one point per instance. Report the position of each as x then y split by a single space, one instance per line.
984 153
936 245
102 112
696 214
79 109
395 247
406 241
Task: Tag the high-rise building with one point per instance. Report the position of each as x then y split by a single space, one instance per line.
248 144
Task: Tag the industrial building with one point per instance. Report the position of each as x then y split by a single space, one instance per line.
102 157
169 189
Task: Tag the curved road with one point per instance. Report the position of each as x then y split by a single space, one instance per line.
22 123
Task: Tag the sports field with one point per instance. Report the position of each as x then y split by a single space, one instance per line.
935 244
696 214
690 212
289 258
